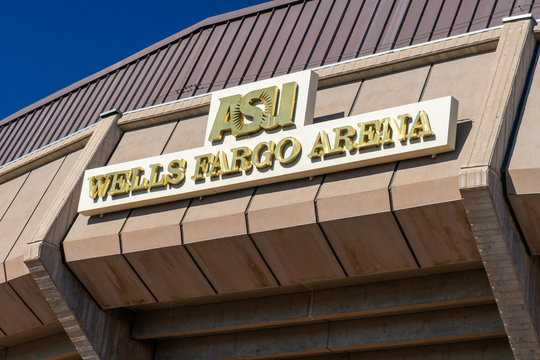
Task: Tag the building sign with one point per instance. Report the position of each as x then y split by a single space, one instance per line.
262 133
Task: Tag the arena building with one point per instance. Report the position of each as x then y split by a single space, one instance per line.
317 179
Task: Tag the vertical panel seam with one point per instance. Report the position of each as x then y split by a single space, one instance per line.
167 59
403 17
198 83
25 303
32 214
241 51
248 65
125 222
189 252
195 62
310 23
396 218
340 56
190 46
390 198
436 21
512 7
411 40
229 47
12 200
367 28
17 238
455 18
308 60
511 145
355 98
286 43
338 26
473 15
165 93
384 28
248 232
316 208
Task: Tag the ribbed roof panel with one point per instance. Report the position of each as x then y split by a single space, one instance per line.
255 43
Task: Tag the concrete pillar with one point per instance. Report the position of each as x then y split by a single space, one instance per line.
511 271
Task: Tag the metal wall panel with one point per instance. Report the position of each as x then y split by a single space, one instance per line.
358 33
243 46
253 39
328 34
266 42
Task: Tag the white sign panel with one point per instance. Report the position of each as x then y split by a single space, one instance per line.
260 133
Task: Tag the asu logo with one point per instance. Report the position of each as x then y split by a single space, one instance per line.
243 115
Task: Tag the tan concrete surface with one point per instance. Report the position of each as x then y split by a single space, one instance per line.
30 335
425 191
163 269
232 264
283 205
94 236
467 79
56 347
153 227
335 102
8 191
152 243
526 207
283 224
523 168
27 289
463 324
189 133
215 234
449 243
92 246
399 88
216 216
79 315
142 143
23 206
16 316
111 281
354 211
467 288
513 273
14 264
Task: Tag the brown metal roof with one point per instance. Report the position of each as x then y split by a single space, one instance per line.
258 42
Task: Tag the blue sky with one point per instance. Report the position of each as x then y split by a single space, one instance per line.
48 45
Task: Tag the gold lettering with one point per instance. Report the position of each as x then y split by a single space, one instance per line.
344 139
135 180
390 127
369 134
243 115
259 117
201 166
286 105
176 169
120 183
240 160
321 146
420 126
219 165
99 185
282 145
156 179
222 123
268 154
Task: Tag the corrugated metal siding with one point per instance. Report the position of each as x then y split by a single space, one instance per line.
246 45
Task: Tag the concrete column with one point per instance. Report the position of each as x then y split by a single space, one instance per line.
511 271
95 333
